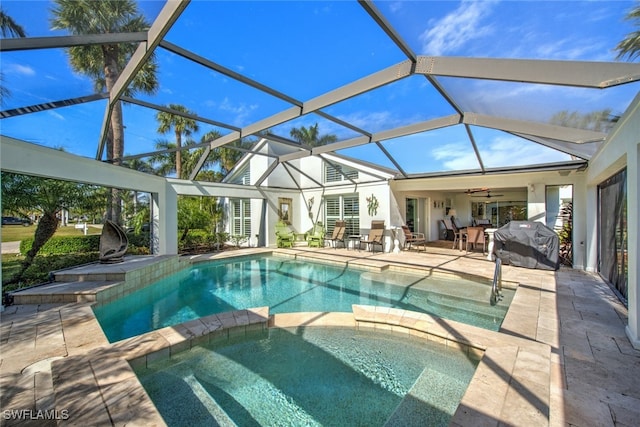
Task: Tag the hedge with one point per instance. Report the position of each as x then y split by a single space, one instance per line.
82 244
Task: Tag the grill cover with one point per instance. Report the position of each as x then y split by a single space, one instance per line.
527 244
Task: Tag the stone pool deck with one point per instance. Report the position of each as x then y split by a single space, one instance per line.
561 358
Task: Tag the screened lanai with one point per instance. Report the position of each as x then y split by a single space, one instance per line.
420 103
442 96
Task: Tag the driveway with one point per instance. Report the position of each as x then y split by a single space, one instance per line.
10 247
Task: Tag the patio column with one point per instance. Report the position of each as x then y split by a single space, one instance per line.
536 203
164 221
633 230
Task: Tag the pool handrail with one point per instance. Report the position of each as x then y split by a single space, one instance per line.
496 286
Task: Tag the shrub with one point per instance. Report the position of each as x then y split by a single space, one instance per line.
238 240
39 271
64 245
138 244
194 239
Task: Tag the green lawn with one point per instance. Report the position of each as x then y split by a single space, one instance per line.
16 233
10 264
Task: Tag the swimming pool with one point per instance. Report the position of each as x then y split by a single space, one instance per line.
311 376
290 285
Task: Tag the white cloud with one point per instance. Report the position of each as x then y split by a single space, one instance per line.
456 29
395 6
240 111
375 121
56 115
500 151
23 70
456 156
571 49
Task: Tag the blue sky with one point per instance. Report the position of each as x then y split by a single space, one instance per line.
305 48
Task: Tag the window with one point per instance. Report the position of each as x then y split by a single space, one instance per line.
243 177
503 212
241 221
346 208
337 173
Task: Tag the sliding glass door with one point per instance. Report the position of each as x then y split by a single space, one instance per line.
612 254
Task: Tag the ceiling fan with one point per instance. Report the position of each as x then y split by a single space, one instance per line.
489 195
476 190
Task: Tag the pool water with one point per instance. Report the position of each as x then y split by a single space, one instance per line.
311 377
289 285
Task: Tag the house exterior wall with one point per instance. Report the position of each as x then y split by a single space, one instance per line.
622 149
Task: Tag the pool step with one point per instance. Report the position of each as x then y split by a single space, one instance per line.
470 306
427 403
453 304
219 415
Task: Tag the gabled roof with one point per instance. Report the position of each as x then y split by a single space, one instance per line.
293 172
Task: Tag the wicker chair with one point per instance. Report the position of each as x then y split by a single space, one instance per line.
475 236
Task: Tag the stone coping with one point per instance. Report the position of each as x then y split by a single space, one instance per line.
100 387
103 283
100 283
510 385
361 263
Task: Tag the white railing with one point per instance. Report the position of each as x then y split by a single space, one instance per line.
496 287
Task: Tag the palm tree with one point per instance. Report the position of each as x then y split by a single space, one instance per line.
9 28
597 121
311 136
104 63
228 157
164 163
23 193
181 126
224 157
191 157
630 46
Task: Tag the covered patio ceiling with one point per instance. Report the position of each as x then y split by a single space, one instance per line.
385 102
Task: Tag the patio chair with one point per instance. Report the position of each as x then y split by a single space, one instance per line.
482 222
459 234
338 233
315 236
375 237
475 236
284 235
448 229
411 238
